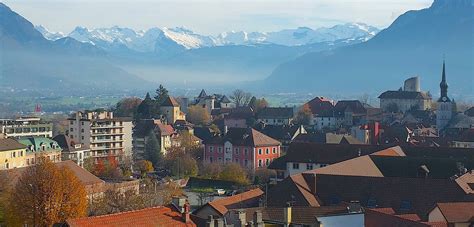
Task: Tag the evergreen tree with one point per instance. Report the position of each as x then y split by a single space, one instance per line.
152 150
161 95
146 109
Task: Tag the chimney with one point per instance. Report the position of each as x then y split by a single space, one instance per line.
185 214
257 219
241 218
287 215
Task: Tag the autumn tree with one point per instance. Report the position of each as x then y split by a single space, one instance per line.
152 150
235 173
258 104
198 115
144 166
240 97
161 95
304 115
108 168
127 107
46 194
211 170
180 162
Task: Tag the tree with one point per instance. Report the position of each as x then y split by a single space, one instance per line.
235 173
263 176
115 201
153 150
258 104
147 109
180 162
144 166
241 98
211 170
46 194
304 115
108 168
198 115
127 107
161 95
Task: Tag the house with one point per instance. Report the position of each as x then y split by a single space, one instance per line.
415 184
466 140
26 127
322 110
12 154
171 110
103 133
367 133
276 115
71 151
219 208
238 117
350 112
163 132
453 214
40 147
211 102
302 157
165 216
410 98
283 133
334 216
245 146
375 217
326 138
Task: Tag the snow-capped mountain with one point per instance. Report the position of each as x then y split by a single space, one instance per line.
300 36
177 39
48 34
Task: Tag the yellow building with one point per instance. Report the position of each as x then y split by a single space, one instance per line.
12 154
40 147
171 110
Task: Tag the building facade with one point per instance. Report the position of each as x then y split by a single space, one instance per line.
410 98
72 151
245 146
37 147
26 127
103 133
171 110
12 154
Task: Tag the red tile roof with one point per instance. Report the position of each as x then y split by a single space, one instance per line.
320 105
457 212
380 217
155 216
221 205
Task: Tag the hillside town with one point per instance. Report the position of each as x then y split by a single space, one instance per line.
232 159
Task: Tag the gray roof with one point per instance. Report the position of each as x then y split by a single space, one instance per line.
461 120
276 112
404 95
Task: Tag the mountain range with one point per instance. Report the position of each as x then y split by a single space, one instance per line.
414 44
348 58
156 39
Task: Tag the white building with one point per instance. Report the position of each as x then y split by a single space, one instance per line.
103 133
26 127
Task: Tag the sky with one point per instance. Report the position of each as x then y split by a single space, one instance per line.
211 16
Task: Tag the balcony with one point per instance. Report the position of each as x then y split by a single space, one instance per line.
106 140
105 126
101 148
106 133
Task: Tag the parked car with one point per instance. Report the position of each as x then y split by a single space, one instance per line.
219 192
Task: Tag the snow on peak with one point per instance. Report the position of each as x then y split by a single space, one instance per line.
48 34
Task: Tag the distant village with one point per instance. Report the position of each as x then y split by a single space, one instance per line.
220 160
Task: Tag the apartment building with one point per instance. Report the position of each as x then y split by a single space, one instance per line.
103 133
26 127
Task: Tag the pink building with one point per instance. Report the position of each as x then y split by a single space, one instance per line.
245 146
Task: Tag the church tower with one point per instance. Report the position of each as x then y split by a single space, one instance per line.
445 105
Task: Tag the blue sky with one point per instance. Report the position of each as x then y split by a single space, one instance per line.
211 16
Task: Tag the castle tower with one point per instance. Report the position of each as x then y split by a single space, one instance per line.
445 105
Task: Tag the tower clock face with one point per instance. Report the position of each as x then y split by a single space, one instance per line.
444 99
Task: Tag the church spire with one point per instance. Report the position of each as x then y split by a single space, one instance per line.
444 85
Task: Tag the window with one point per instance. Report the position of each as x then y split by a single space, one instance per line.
13 154
82 123
71 136
71 129
210 159
82 130
296 165
236 150
246 162
309 166
267 151
237 160
323 165
71 122
259 150
211 149
274 150
219 150
220 159
267 162
260 163
82 137
246 151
